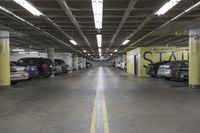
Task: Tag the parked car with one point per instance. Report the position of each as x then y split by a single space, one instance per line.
118 65
29 68
88 64
61 67
44 65
152 69
174 70
18 73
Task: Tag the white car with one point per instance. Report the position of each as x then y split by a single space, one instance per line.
18 73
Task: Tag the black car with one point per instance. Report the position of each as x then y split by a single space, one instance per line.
88 65
152 69
44 65
60 64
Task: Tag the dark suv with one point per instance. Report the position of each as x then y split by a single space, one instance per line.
44 65
61 66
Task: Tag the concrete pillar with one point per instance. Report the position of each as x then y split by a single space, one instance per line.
194 58
51 55
75 61
84 62
4 59
80 62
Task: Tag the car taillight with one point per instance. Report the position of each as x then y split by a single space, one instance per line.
13 70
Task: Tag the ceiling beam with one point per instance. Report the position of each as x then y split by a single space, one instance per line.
123 20
67 10
23 21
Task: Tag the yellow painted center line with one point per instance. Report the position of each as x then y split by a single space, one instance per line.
105 117
94 117
103 110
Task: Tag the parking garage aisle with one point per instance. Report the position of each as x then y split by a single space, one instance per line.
65 104
61 105
149 105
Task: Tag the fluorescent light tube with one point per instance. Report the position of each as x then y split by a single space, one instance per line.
99 40
28 7
97 7
73 42
125 42
18 50
33 52
115 50
167 7
22 52
100 50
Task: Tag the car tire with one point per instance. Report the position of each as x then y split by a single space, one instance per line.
46 74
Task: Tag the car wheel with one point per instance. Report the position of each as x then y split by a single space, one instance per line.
46 74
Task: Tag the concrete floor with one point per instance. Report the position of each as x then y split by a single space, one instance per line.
65 104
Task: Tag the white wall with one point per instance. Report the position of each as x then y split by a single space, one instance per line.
67 57
100 63
17 56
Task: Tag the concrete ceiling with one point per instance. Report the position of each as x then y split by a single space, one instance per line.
122 19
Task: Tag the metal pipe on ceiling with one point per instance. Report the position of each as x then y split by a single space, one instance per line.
123 20
56 26
168 22
14 16
67 10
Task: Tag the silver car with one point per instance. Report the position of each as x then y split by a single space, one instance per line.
18 73
174 70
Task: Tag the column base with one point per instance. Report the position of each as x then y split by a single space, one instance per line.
194 86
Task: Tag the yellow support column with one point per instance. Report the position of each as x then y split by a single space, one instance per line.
194 61
4 59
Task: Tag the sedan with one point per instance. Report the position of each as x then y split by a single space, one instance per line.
152 69
18 73
174 70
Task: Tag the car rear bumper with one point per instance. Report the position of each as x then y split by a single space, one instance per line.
164 74
19 76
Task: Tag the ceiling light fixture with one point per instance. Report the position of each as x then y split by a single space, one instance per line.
111 54
73 42
88 54
33 52
165 8
29 7
125 42
18 50
99 40
84 51
99 50
115 50
97 7
22 52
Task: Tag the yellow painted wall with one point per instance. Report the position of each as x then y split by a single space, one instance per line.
153 54
130 60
